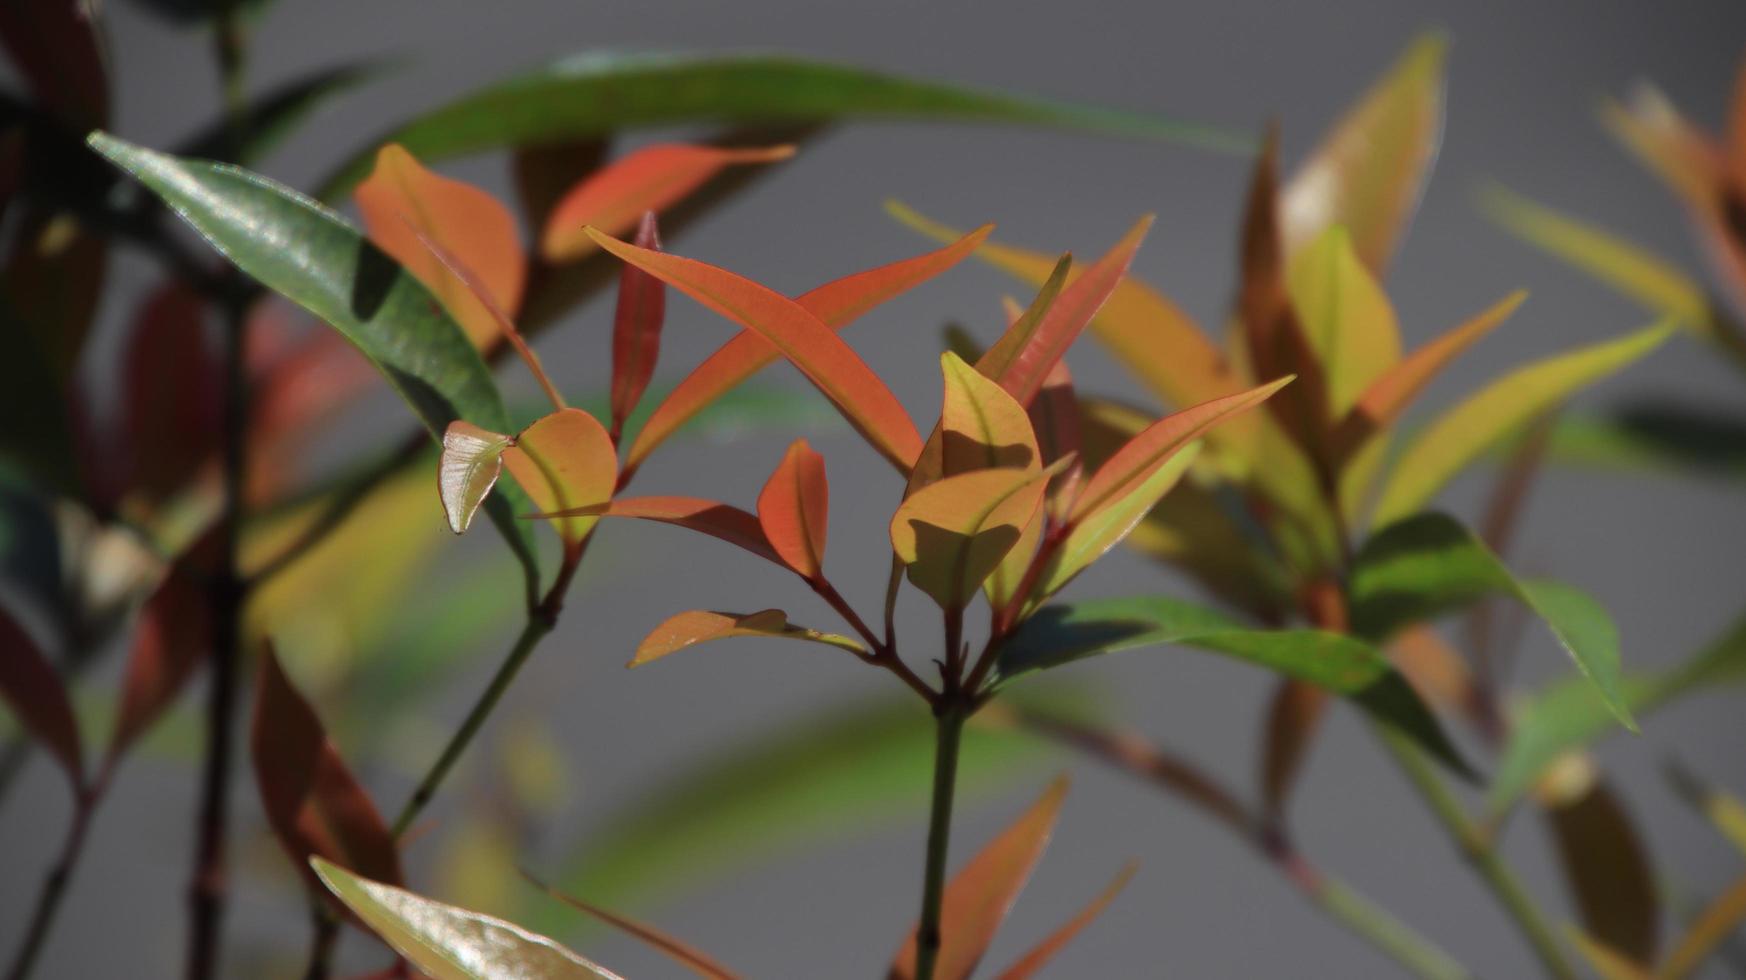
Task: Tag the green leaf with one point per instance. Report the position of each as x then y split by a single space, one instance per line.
1654 435
451 943
1571 714
269 119
317 260
600 93
1429 565
1342 665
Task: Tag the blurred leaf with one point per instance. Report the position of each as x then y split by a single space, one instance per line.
1654 434
314 804
54 44
978 897
794 510
172 638
1570 714
268 120
472 460
1606 867
803 338
836 303
53 279
1725 811
701 626
402 201
1345 314
1499 409
636 330
685 955
1040 954
319 262
953 533
981 425
1422 567
597 94
1713 926
1371 168
1055 421
543 173
1607 963
33 692
563 462
717 520
649 180
1340 664
450 943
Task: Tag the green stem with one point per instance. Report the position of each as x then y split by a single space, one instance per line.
949 731
1480 852
1388 934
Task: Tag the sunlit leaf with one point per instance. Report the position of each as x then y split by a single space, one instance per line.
836 303
1040 954
1093 533
1340 664
717 520
953 533
1345 314
1714 925
650 179
981 425
794 510
599 94
682 953
402 200
701 626
171 639
1687 160
33 692
978 897
1425 566
471 461
1605 865
802 337
565 461
450 943
1371 168
314 258
636 330
314 804
1492 414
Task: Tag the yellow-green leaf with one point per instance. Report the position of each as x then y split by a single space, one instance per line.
1345 315
981 425
952 534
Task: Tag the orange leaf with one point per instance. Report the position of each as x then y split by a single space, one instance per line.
701 626
172 638
402 199
1043 952
636 330
794 510
33 692
565 461
650 179
836 303
717 520
688 956
471 461
805 340
978 898
313 803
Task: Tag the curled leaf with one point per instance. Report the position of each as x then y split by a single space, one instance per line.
471 461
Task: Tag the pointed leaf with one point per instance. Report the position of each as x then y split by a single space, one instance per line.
717 520
1345 314
450 943
314 804
1428 565
648 180
1055 420
836 303
1714 925
33 692
471 461
563 462
701 626
1091 535
794 510
636 330
172 638
979 896
952 534
1043 952
402 199
684 954
1605 865
1343 665
1370 170
1492 414
836 370
981 425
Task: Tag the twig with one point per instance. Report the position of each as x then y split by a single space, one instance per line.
54 887
949 728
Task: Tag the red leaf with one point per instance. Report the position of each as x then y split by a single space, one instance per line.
313 803
54 45
821 355
794 510
717 520
690 957
1043 952
1055 419
636 330
172 401
172 638
836 303
651 179
37 699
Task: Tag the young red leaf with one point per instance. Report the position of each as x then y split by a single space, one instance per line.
717 520
172 637
172 393
471 461
650 179
837 304
821 355
953 534
33 692
688 629
636 330
794 510
686 955
313 803
1055 420
565 461
1043 952
978 897
402 200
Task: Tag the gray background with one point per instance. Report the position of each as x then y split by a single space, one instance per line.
1661 552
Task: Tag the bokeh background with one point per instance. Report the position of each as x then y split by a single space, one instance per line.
1661 551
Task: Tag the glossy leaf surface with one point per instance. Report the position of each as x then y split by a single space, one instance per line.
471 461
